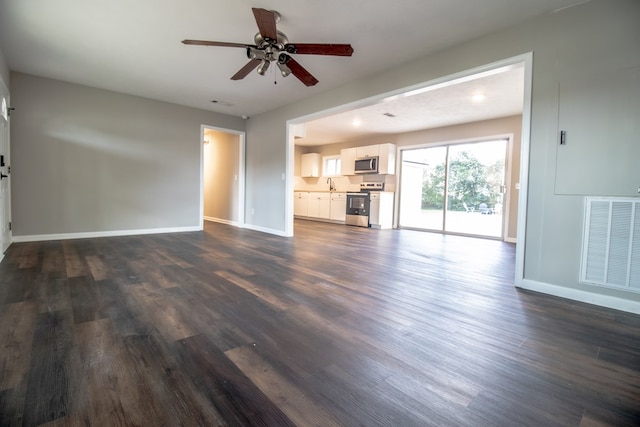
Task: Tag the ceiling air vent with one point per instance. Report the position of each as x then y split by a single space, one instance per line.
389 115
223 103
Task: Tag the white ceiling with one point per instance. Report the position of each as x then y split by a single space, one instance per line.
500 92
134 46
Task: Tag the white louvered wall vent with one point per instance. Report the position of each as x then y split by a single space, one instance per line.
611 243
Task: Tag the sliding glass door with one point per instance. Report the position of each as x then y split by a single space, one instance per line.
454 188
422 188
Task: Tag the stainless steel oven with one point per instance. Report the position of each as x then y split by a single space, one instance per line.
358 209
358 204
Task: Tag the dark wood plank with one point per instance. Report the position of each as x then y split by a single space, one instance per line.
226 387
85 299
47 396
53 262
170 314
18 322
336 326
12 406
53 295
293 402
116 392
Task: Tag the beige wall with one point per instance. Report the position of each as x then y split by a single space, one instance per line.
469 131
87 160
221 176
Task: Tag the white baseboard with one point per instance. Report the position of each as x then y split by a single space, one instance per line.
222 221
88 235
511 240
247 226
581 296
266 230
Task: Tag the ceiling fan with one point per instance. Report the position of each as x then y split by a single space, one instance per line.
272 45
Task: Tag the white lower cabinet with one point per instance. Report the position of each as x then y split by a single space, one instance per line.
381 209
301 203
338 206
319 205
333 206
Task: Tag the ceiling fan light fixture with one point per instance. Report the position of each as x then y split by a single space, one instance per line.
284 70
263 67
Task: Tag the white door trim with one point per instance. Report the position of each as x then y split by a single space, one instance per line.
242 135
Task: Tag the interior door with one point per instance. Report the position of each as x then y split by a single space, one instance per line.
5 187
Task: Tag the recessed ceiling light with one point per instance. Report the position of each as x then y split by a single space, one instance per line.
479 97
356 122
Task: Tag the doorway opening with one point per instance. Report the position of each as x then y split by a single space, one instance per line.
521 167
455 188
223 176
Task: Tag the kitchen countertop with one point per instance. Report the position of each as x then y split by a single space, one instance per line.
335 191
321 191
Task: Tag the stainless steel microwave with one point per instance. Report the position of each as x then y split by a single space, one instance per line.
366 165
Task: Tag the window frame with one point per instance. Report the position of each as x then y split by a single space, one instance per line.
338 165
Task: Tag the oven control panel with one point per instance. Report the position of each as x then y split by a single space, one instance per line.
372 186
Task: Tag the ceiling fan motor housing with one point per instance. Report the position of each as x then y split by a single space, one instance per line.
277 45
268 50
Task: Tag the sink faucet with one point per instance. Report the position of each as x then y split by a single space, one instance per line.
331 186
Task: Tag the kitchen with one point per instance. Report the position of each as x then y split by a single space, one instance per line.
312 194
361 194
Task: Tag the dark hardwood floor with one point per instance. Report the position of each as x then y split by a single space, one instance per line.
339 326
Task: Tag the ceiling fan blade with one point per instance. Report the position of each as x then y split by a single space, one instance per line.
320 49
244 71
210 43
300 72
266 21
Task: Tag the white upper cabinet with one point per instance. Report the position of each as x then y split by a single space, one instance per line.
310 165
387 159
367 151
347 161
